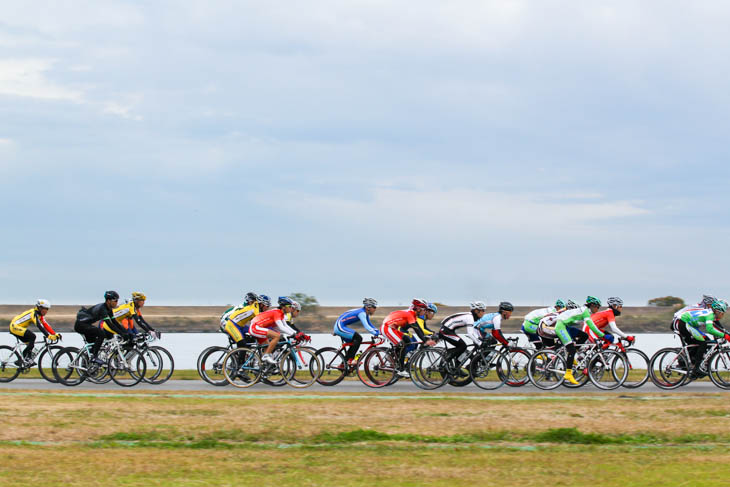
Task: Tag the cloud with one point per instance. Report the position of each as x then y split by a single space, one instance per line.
27 78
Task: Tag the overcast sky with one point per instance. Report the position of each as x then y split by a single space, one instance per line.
499 150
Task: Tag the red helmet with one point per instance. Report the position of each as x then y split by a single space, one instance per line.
419 303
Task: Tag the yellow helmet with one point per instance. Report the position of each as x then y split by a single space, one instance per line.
137 295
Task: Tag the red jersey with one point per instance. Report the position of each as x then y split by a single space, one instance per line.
603 318
401 318
268 319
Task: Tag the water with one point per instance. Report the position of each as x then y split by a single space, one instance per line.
185 347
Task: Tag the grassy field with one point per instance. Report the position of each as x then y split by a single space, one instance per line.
169 439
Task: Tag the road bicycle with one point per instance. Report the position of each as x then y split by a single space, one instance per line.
120 362
295 364
12 362
210 363
672 367
334 365
160 364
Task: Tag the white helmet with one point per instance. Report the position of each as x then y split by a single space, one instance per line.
43 303
295 306
478 305
369 303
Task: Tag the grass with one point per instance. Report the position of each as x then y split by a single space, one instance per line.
158 440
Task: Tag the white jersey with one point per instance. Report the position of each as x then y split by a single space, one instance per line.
536 315
547 326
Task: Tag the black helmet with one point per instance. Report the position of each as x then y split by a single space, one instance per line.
251 297
506 306
111 295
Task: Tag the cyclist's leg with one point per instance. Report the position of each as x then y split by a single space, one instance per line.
395 337
92 334
530 330
561 330
693 336
459 346
29 339
348 335
578 336
236 333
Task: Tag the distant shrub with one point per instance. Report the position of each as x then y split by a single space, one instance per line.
309 303
667 301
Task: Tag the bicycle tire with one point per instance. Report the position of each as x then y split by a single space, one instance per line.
45 362
607 370
210 367
464 379
334 366
127 370
668 368
9 370
168 365
518 360
242 367
300 367
546 370
719 367
378 367
489 369
638 361
579 374
153 359
69 367
428 368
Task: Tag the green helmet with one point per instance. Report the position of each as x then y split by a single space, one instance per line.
559 304
591 300
719 305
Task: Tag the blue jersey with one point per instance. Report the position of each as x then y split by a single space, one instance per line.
490 321
350 318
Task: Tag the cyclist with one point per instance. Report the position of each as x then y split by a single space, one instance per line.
87 318
347 319
532 322
567 334
296 308
705 303
35 316
248 299
269 325
467 319
128 315
689 325
606 318
397 323
428 314
237 320
492 322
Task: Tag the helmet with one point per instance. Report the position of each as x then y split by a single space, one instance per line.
506 306
570 304
296 306
251 297
614 302
478 305
559 304
111 295
591 300
43 303
138 295
419 303
264 300
719 306
433 307
284 301
369 303
708 299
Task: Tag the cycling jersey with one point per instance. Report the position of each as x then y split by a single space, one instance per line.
491 322
273 318
397 322
348 319
601 320
532 319
546 327
19 324
573 316
126 315
697 318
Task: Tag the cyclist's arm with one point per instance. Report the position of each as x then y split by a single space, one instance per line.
142 322
473 333
594 328
497 331
422 324
710 327
365 320
115 326
614 329
285 328
44 326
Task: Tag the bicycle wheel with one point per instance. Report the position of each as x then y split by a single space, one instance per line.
719 366
428 368
638 369
377 367
518 360
127 369
668 368
154 364
608 369
334 366
9 363
45 362
301 367
98 374
580 369
489 369
69 366
242 367
168 365
462 376
546 369
210 366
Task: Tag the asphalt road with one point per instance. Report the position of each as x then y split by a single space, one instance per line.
349 387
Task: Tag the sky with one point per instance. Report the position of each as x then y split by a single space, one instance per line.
492 150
